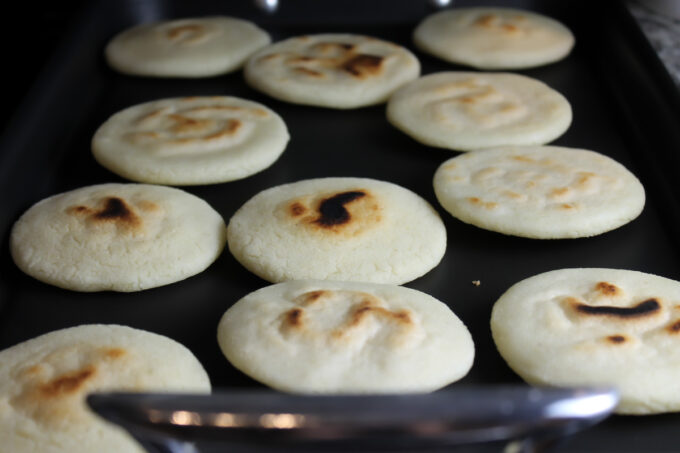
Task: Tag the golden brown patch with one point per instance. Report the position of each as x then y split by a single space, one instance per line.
186 33
607 289
521 158
363 65
311 297
559 192
510 28
367 308
567 206
229 128
297 209
616 339
484 204
67 383
486 20
34 370
308 72
114 353
185 125
332 47
227 108
148 206
514 195
152 115
360 308
585 179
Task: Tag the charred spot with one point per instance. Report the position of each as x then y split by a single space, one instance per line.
297 209
642 309
616 339
674 327
294 317
607 289
114 208
333 211
363 65
67 383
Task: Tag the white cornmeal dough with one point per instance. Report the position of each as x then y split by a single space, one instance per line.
119 237
465 111
331 70
192 47
338 229
345 337
44 382
595 327
493 38
193 140
544 192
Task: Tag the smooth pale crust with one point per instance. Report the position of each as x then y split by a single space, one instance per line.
331 70
44 382
465 111
337 229
119 237
192 47
493 38
193 140
595 327
345 337
543 192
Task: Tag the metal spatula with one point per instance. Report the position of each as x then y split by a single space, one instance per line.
525 419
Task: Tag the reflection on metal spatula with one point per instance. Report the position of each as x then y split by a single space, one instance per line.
526 419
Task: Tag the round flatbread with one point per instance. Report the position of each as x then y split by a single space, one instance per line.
345 337
44 382
595 327
331 70
543 192
337 229
465 111
493 38
193 140
119 237
195 47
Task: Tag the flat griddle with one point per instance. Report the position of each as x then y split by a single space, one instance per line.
624 103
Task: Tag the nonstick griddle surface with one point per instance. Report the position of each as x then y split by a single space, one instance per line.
616 97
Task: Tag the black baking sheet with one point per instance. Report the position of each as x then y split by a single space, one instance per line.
624 106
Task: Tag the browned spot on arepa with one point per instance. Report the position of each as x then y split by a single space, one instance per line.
616 339
67 383
363 65
647 308
348 212
608 289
